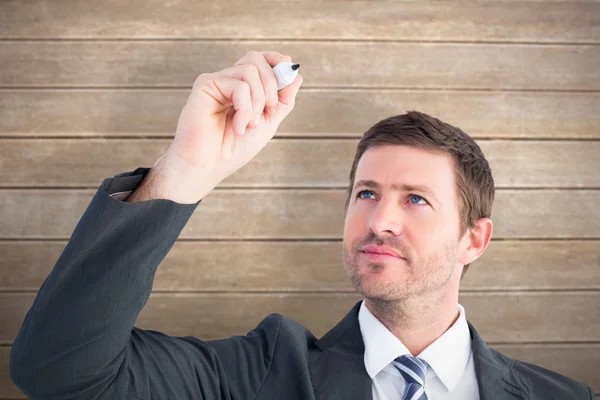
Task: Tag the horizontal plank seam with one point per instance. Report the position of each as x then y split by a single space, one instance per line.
308 136
337 138
23 398
290 39
269 239
308 240
494 291
529 188
340 293
549 343
309 87
584 343
526 343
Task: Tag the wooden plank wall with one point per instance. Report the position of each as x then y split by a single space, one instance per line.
91 89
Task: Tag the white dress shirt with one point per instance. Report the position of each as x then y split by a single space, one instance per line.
451 375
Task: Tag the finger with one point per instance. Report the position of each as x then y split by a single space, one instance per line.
287 95
238 92
228 137
242 104
267 76
287 101
274 58
249 73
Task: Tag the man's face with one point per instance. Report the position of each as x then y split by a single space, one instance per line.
404 199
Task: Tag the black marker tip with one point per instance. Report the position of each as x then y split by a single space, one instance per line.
295 66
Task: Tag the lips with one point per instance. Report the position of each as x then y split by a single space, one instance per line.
381 250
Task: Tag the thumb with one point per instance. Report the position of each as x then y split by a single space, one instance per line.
287 99
287 95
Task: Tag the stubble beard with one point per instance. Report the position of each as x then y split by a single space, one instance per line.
423 280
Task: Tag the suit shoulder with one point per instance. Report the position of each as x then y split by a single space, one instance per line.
547 383
271 330
288 328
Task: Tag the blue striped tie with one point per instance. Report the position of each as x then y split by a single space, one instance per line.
413 371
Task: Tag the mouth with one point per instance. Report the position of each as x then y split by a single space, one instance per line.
375 256
373 250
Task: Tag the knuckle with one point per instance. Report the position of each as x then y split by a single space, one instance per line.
201 79
250 71
259 103
244 87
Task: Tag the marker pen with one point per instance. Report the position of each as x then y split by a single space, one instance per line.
286 73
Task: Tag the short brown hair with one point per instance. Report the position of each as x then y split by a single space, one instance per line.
474 179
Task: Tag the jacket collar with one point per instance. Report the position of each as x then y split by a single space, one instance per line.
496 377
338 371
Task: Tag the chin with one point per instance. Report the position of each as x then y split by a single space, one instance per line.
382 293
391 272
379 281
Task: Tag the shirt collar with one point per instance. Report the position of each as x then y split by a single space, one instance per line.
447 356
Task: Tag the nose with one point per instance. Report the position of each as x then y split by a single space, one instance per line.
387 218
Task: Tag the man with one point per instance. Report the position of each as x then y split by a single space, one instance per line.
417 215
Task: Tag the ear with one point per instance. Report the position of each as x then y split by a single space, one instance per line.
475 241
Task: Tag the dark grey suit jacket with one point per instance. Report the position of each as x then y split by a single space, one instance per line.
78 340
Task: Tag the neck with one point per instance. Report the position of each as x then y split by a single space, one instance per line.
417 322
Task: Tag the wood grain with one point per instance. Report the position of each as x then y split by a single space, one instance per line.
499 317
513 21
318 112
324 64
317 266
299 214
8 390
113 78
284 162
577 361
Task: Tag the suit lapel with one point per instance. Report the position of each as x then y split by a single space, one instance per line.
338 369
496 378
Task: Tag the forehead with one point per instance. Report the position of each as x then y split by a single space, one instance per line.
403 165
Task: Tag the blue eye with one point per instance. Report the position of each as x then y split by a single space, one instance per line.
416 199
359 195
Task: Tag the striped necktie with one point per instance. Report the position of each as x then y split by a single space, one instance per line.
413 371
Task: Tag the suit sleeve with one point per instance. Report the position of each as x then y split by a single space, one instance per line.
78 339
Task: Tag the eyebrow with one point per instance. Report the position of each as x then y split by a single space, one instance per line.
403 187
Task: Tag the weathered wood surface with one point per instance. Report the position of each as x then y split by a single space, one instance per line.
496 69
299 214
324 64
507 21
284 162
577 361
317 266
499 317
318 112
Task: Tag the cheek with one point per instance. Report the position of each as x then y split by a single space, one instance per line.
429 232
424 221
355 223
351 223
423 230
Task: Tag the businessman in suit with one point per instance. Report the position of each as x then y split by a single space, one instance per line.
417 214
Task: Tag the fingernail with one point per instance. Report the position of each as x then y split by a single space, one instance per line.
273 101
243 132
256 119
